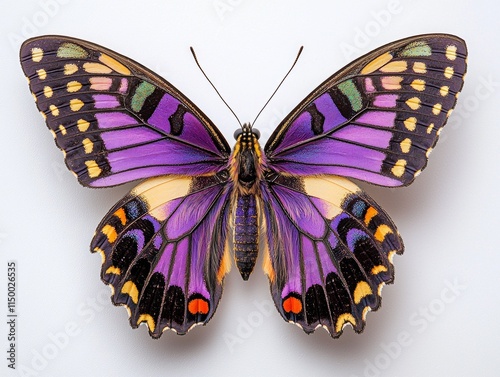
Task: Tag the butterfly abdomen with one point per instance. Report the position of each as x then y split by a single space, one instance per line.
246 234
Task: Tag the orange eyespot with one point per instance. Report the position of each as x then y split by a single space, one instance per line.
292 304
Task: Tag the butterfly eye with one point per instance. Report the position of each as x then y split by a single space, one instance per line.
237 133
256 132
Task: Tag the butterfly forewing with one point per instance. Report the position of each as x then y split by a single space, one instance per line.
378 118
115 120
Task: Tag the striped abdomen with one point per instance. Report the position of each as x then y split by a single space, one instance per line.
246 234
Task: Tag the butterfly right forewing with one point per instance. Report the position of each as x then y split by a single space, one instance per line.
378 118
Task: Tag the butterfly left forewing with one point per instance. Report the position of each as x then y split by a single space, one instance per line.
115 120
378 118
164 251
329 250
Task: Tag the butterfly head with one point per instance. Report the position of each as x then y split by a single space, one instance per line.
247 159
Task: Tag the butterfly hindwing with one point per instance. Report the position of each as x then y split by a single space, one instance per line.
329 250
164 250
378 118
115 120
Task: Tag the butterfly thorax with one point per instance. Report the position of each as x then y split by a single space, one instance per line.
246 169
246 161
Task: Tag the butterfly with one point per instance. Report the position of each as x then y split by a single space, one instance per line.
168 244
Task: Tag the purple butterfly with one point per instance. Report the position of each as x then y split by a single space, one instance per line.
166 246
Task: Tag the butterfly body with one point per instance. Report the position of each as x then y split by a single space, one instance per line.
167 245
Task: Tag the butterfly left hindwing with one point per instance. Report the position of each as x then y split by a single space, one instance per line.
164 250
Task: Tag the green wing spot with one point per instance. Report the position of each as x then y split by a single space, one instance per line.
419 48
143 91
352 93
71 50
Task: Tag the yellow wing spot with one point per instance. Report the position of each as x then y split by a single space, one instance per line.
410 123
62 129
391 82
413 103
378 269
47 91
428 152
93 169
82 125
438 132
36 54
436 109
88 145
419 67
382 231
225 265
42 74
430 128
343 319
399 168
390 255
129 288
43 115
114 64
417 173
457 94
418 84
113 270
370 214
69 69
110 232
361 291
96 68
449 113
451 52
120 213
405 145
75 104
101 252
54 110
73 86
379 288
34 96
376 63
53 133
396 66
448 72
444 90
148 319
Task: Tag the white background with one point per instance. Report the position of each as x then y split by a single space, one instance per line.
448 217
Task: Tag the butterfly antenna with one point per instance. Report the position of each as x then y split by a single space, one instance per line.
279 85
213 86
